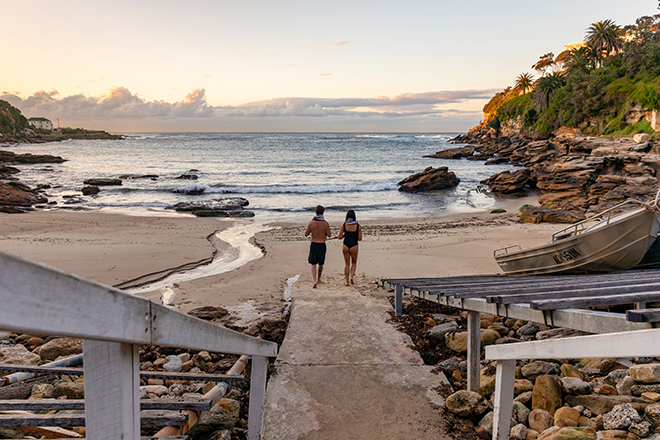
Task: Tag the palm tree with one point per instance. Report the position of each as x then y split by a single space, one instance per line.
524 83
580 60
603 38
545 86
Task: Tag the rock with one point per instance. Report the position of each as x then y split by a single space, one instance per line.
547 393
586 421
532 435
624 387
453 153
522 386
600 404
603 365
438 332
520 412
573 385
534 369
173 364
645 373
191 190
60 347
566 416
18 355
90 190
157 390
102 182
653 397
571 433
223 415
507 182
641 429
615 377
568 370
652 413
641 137
16 194
45 390
540 420
532 214
518 432
466 403
605 389
226 204
612 435
621 417
185 357
188 176
72 390
450 365
486 422
208 312
638 390
429 180
524 398
458 341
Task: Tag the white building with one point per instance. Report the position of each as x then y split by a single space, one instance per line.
41 123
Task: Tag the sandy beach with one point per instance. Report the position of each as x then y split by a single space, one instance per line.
115 248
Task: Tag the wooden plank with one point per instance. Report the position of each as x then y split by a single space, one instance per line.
65 420
77 371
595 301
174 329
543 294
503 402
112 403
640 343
643 315
257 397
109 313
589 321
474 350
79 404
398 301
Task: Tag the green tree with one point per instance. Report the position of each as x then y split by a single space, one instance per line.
544 63
524 83
579 60
604 39
545 86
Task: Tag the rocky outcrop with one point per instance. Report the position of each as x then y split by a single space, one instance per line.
574 174
102 182
430 179
227 207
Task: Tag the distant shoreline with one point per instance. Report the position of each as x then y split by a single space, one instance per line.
42 138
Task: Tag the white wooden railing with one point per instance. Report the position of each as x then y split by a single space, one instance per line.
113 324
639 343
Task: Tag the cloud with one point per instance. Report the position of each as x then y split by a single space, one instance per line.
326 73
121 108
337 43
118 103
272 54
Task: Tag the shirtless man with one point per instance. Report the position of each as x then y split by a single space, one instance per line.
320 230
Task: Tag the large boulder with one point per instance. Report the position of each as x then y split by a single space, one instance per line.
102 182
429 180
16 194
453 153
459 341
546 394
508 182
60 347
466 403
645 373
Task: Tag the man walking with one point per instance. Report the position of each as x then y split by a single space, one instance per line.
320 230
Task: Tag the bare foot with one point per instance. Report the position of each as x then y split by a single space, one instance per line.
321 282
314 286
347 284
352 282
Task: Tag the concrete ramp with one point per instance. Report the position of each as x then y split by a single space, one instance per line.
344 372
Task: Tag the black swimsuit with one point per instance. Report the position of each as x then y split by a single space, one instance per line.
351 237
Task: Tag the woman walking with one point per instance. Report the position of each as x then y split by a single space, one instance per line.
351 232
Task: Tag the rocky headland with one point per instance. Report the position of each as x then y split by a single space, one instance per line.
573 176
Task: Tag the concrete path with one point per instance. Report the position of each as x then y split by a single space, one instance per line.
344 372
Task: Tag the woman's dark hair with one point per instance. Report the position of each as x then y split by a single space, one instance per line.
350 214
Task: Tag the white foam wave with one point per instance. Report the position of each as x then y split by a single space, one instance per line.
371 187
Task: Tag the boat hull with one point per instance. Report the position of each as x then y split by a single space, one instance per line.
619 245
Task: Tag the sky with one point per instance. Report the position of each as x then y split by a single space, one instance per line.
280 66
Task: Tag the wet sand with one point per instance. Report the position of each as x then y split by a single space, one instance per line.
114 248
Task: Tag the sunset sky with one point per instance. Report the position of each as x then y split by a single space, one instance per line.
372 66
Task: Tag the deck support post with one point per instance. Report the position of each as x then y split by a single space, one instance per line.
257 397
473 350
505 376
398 300
112 398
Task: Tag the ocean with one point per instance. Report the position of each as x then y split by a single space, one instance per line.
282 175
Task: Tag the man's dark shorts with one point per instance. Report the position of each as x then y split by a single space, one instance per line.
316 253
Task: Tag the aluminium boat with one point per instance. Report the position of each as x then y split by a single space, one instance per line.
615 239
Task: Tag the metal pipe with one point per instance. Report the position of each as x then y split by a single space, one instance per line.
215 394
20 377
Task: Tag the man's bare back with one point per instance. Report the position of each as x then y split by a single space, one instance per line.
320 229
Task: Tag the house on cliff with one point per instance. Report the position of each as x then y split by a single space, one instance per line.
41 123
